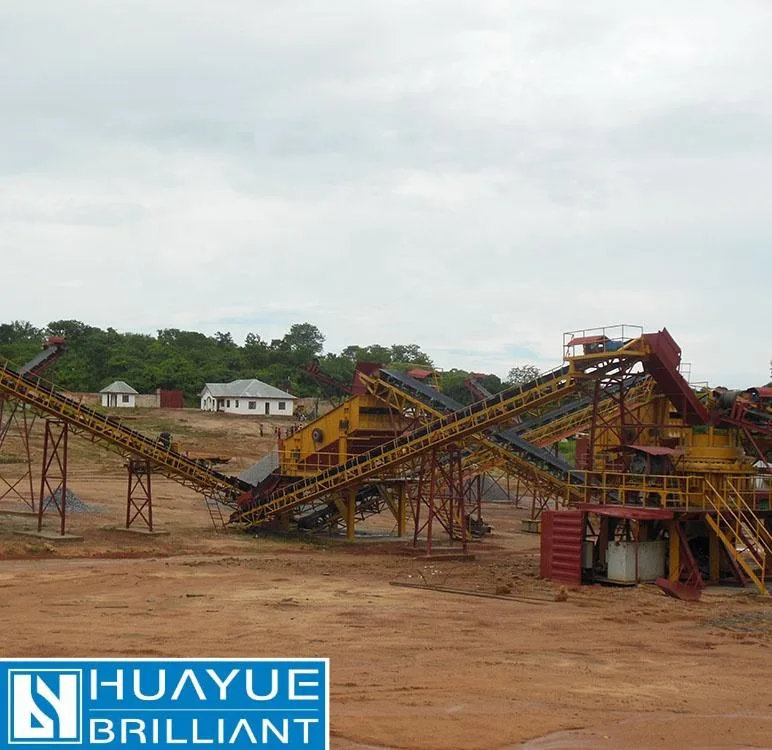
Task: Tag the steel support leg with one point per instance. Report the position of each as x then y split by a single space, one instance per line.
13 414
139 498
715 555
674 552
351 506
53 480
401 511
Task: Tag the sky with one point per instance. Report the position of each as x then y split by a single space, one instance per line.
473 177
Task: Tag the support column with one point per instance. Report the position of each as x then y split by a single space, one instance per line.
431 501
674 552
17 426
139 498
53 480
715 555
351 501
401 510
459 492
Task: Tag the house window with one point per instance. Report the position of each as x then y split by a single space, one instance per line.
228 404
282 405
237 403
125 398
253 404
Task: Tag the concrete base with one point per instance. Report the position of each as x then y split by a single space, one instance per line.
138 530
530 525
446 556
19 513
51 536
631 562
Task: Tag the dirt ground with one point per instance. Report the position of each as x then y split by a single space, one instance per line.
410 668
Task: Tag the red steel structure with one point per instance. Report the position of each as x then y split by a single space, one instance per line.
16 425
657 460
53 479
139 497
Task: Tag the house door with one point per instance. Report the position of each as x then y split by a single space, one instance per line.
267 407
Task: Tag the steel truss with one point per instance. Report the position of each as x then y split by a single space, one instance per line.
45 399
139 497
438 499
15 420
53 479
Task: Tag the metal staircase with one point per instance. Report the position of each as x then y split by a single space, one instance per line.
744 535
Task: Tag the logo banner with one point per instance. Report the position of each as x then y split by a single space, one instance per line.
165 703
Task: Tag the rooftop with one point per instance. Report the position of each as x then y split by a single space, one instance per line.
245 389
119 386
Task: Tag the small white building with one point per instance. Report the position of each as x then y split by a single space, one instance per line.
118 394
247 397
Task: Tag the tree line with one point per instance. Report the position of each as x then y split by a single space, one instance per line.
184 360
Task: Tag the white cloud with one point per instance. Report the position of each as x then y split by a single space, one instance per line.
472 178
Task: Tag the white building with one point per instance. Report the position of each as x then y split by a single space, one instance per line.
118 394
247 397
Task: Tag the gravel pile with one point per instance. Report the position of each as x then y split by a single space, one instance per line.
73 505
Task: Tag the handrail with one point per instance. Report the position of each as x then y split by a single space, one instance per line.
443 430
734 521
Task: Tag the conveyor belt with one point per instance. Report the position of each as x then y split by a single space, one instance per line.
502 446
45 399
510 439
385 459
426 393
43 359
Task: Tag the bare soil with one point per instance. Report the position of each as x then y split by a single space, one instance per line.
410 668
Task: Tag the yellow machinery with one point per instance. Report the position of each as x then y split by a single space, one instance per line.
354 427
654 445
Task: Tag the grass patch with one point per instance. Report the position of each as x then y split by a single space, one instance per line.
12 459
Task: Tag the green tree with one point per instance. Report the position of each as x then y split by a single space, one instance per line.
371 353
256 352
304 338
410 354
20 341
522 374
19 332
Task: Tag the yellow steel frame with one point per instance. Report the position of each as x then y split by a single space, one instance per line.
579 421
404 403
43 398
486 453
454 427
337 427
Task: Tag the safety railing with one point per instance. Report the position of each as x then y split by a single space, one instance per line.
642 490
387 457
594 341
744 535
581 419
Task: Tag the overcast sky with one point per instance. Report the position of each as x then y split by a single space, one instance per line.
474 177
